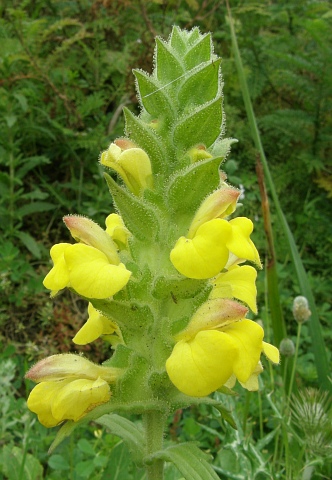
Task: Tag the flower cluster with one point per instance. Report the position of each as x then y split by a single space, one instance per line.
166 280
219 345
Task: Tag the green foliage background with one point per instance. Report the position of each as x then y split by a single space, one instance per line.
65 74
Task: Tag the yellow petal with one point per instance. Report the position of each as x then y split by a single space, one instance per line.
239 242
271 352
247 336
76 398
96 325
212 315
252 383
238 282
136 163
206 254
202 365
40 402
116 229
91 274
58 277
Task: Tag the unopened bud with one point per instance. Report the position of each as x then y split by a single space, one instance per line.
301 309
198 153
131 163
287 347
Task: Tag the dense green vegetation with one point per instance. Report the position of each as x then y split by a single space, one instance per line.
65 74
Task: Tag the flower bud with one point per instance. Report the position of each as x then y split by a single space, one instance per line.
287 347
117 230
301 310
131 163
198 153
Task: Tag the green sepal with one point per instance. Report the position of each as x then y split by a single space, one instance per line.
139 218
145 137
154 98
200 127
188 459
188 188
168 67
177 41
128 431
201 87
177 288
199 53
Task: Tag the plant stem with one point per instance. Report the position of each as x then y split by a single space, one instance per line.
295 360
154 423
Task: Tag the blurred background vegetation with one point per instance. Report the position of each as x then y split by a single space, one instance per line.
65 74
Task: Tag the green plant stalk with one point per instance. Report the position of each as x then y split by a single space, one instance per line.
318 345
295 360
154 423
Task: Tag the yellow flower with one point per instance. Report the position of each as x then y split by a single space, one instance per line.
238 282
117 230
95 326
131 163
213 244
206 254
69 386
217 350
85 269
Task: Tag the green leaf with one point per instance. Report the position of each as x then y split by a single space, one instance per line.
119 464
200 52
190 186
201 126
138 217
190 461
58 462
226 415
145 137
34 207
18 465
168 66
30 243
30 163
201 87
127 430
153 97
